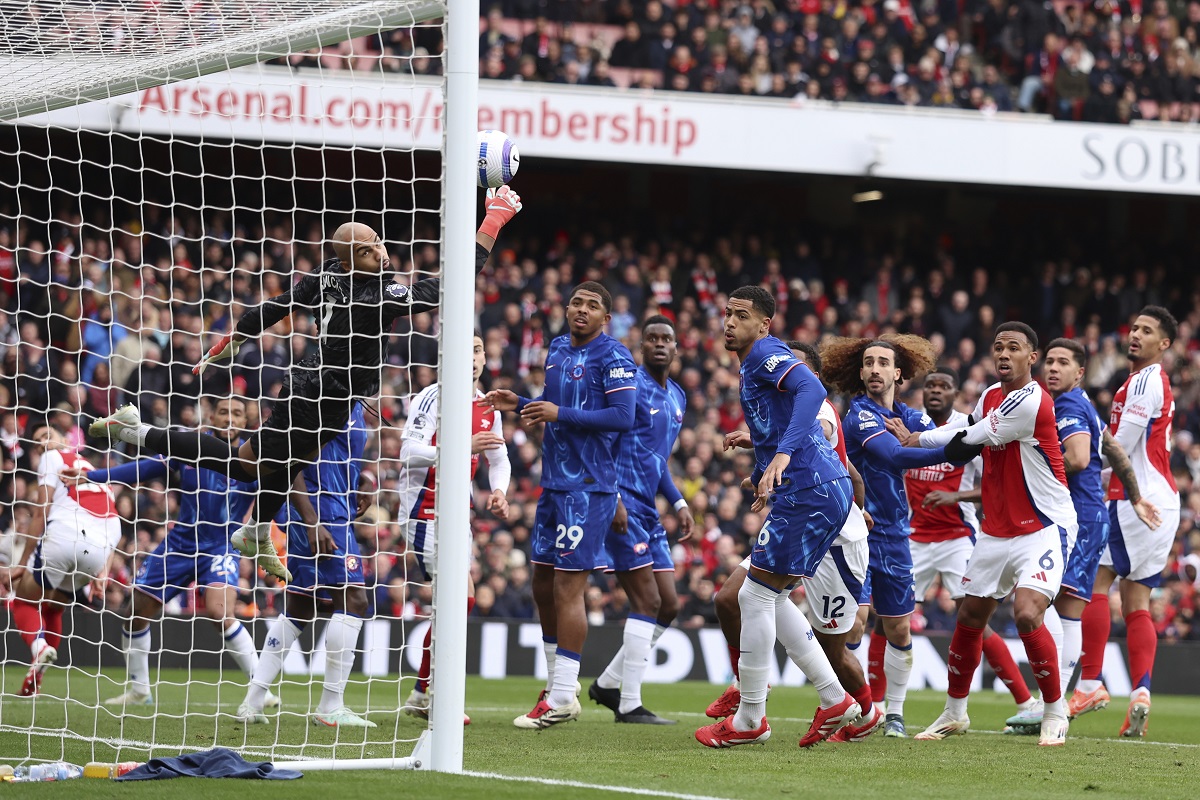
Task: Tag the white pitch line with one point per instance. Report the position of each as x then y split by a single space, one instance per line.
597 786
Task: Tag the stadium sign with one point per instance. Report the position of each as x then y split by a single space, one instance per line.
502 648
275 104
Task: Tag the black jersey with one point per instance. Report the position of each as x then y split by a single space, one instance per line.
354 313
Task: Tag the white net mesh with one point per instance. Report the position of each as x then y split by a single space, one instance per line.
123 257
57 53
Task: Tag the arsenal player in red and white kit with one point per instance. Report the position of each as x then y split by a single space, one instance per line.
418 479
1142 413
944 526
70 538
1029 527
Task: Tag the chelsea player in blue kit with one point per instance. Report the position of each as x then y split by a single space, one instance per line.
811 497
1086 445
869 370
588 401
637 545
196 551
325 561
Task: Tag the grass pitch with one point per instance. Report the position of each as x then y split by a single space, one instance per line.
594 757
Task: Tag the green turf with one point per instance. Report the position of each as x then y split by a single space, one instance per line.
1094 764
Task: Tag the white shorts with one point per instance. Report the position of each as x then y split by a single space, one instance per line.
70 556
1134 551
421 536
835 589
1031 561
947 559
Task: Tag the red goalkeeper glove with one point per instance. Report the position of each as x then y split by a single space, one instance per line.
224 350
501 205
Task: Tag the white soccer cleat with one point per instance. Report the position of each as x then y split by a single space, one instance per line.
131 698
341 718
110 427
1054 731
250 715
253 540
417 705
271 700
945 725
543 716
47 656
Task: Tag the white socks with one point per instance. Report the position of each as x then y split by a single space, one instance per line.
566 675
1072 648
614 674
897 666
281 635
796 636
135 436
1054 624
957 706
240 645
341 640
137 659
550 648
639 637
757 646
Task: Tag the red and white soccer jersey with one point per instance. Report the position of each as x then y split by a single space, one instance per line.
1029 523
82 526
1142 413
943 537
944 522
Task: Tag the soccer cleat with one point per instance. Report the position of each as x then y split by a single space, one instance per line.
341 718
253 540
543 716
131 698
726 705
642 716
943 726
609 698
1022 730
1054 731
723 734
827 720
32 685
861 728
1029 715
417 705
110 427
1083 702
1137 718
250 715
271 700
893 727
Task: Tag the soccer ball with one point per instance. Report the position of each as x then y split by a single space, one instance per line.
498 159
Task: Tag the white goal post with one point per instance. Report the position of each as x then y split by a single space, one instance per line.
65 53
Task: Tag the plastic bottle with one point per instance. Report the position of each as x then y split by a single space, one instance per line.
56 771
103 769
6 772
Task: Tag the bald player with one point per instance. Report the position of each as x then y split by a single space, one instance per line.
356 301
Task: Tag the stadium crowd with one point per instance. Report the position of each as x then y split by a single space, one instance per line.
94 318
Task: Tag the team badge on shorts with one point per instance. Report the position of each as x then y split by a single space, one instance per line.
351 563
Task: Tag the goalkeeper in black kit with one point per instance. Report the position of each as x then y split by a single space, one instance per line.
356 303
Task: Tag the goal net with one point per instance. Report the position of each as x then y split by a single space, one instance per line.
164 166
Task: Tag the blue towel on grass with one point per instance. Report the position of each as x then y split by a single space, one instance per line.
218 763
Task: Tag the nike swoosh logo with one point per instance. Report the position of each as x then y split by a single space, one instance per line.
654 411
550 367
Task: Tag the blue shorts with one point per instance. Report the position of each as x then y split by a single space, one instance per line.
1084 561
801 528
890 577
631 550
660 548
324 572
570 529
164 574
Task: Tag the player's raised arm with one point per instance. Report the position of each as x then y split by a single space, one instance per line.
1013 419
305 294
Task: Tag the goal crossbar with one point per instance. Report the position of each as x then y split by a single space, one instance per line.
36 84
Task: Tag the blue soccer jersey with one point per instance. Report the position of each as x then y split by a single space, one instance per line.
1075 415
881 460
643 452
579 450
780 400
333 480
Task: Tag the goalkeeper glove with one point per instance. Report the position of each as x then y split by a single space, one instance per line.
501 205
223 350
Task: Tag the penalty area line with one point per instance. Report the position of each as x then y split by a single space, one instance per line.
601 787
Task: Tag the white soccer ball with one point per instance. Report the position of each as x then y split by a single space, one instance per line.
498 159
